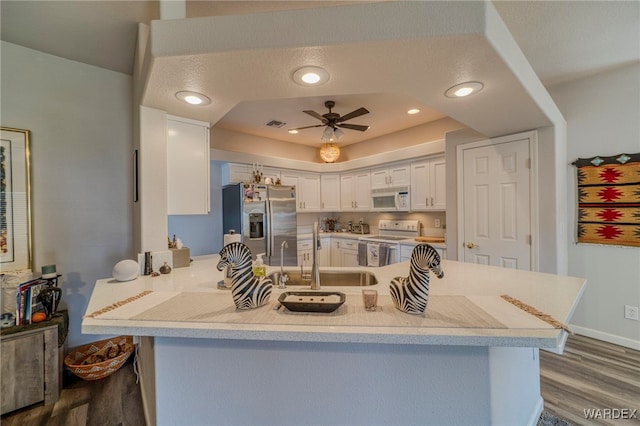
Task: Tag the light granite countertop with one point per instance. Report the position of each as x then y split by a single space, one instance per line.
477 286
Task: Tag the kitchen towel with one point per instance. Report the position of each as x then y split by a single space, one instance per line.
377 254
362 254
232 238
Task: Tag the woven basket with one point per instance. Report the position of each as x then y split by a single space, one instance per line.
93 362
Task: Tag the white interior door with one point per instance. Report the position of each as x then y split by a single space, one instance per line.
496 205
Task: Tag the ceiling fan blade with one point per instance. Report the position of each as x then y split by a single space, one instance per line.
353 114
315 115
308 127
353 126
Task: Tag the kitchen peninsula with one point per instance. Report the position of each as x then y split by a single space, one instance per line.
471 359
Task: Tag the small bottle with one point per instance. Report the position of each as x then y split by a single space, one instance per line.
259 270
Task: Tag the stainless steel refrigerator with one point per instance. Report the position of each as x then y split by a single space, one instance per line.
265 216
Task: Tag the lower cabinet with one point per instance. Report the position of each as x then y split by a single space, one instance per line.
305 252
30 368
344 252
407 249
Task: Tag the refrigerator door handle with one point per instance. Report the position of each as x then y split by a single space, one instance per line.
270 236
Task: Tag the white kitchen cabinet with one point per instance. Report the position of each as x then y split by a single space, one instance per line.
428 187
344 252
235 173
305 252
355 191
307 190
388 177
324 254
330 192
187 166
407 249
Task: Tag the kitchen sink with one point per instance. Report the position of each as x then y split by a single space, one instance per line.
330 278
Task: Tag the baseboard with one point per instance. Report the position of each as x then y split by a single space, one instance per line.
537 412
606 337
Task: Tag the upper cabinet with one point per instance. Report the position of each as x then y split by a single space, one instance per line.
428 188
330 192
355 191
236 173
187 166
399 175
351 191
307 189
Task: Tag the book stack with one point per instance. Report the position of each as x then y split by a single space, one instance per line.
27 301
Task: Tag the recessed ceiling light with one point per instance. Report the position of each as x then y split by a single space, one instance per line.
293 131
413 111
464 89
193 98
310 76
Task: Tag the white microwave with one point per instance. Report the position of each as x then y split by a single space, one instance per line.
390 199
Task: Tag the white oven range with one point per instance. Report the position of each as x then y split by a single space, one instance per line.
383 249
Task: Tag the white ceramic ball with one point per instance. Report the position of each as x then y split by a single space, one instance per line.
126 270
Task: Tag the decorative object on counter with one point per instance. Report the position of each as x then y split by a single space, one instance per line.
370 299
248 291
312 301
411 294
125 270
609 200
426 239
330 223
49 271
165 268
117 304
7 319
181 257
148 263
100 359
536 313
258 172
50 299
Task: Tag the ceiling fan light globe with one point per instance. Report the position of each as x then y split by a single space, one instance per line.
329 153
328 134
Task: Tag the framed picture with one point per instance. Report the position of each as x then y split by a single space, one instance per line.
15 200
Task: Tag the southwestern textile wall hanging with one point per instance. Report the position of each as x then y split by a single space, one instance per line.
609 200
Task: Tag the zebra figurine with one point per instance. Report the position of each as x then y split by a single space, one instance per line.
411 294
248 291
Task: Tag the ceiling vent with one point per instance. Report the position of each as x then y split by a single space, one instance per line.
275 123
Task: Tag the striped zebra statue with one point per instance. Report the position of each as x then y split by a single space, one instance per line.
248 291
411 294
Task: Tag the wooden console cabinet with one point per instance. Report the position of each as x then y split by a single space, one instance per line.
31 365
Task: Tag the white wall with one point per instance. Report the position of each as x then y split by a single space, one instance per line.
80 119
603 116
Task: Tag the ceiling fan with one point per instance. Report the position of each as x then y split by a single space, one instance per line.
334 121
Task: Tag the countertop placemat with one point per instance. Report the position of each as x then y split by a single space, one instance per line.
442 312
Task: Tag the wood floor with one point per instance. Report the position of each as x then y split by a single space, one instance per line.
589 375
592 375
112 401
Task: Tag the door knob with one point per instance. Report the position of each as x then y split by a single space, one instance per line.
470 245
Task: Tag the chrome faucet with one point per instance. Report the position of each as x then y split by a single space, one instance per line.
315 267
283 277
